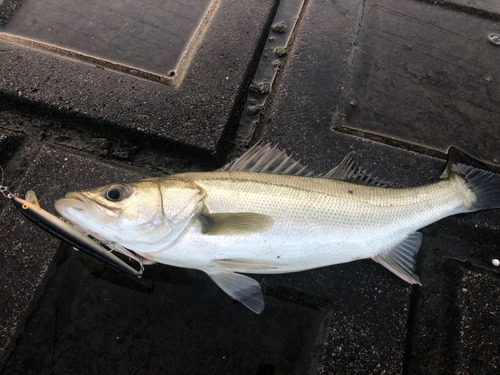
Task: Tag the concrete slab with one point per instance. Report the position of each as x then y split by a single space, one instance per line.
150 36
9 142
26 255
308 97
93 321
426 75
479 328
366 325
457 318
200 110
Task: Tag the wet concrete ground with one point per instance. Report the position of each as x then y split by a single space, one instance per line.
397 81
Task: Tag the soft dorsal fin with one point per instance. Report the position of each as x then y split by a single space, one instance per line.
266 159
349 171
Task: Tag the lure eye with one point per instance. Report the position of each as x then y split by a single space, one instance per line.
116 193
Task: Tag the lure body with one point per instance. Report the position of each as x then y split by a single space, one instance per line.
30 208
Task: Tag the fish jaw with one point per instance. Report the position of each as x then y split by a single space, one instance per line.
85 214
100 221
80 203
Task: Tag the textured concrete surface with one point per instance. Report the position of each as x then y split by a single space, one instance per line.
428 78
148 36
198 113
398 82
478 328
491 6
9 142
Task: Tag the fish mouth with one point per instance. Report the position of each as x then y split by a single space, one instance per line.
73 200
84 206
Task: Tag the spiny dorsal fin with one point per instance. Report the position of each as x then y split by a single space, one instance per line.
349 171
266 159
235 224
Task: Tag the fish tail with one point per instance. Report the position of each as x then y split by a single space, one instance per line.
483 183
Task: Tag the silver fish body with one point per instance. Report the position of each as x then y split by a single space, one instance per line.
249 218
316 222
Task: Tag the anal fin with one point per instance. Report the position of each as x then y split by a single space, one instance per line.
241 288
401 259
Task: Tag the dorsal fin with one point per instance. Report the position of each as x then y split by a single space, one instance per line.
349 171
266 159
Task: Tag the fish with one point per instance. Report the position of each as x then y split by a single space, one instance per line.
31 209
266 213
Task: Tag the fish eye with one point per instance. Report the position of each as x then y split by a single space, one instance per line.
116 193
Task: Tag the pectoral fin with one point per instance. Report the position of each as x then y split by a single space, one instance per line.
235 224
401 259
242 288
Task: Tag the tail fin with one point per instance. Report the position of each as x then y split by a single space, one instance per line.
481 181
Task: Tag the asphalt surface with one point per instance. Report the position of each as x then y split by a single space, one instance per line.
397 81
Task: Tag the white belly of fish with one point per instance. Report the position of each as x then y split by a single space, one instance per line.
317 222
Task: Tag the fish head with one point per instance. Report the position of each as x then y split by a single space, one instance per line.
141 216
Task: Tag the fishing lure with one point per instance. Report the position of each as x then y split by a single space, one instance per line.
30 208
